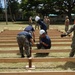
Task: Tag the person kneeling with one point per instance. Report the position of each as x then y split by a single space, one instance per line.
45 42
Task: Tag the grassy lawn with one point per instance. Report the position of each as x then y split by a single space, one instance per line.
20 67
50 66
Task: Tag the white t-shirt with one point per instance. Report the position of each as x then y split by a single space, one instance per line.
37 18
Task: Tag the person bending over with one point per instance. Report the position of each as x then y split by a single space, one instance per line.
24 40
41 23
31 30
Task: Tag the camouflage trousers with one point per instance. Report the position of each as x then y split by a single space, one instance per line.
73 47
66 28
24 45
47 26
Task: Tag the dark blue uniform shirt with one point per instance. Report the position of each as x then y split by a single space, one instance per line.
29 28
28 35
42 25
47 41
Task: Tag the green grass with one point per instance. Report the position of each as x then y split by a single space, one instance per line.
14 55
49 66
40 66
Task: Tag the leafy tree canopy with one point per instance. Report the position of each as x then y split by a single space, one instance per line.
46 7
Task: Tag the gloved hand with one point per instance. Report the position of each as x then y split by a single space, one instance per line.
63 35
38 46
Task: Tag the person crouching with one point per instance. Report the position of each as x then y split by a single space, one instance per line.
44 42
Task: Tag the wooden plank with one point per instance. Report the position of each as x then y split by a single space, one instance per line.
8 35
36 31
52 37
58 40
58 37
61 40
8 41
49 33
35 35
15 45
9 51
39 73
61 44
34 46
36 51
46 59
37 40
8 45
48 51
13 60
14 34
51 30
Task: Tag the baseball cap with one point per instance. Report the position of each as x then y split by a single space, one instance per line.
42 32
37 18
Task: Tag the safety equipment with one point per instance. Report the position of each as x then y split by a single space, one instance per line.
42 32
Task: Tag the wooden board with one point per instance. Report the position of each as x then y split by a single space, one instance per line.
40 73
36 51
40 59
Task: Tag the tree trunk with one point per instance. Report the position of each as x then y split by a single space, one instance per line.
10 11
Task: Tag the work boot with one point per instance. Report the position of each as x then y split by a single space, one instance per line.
71 54
22 56
28 56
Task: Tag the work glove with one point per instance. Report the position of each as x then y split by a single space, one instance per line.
63 35
38 46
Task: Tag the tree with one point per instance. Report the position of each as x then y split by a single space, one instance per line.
65 6
46 7
29 6
0 7
43 7
1 10
13 8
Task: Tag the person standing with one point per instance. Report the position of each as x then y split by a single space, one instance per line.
67 22
24 39
48 22
45 20
30 20
72 29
